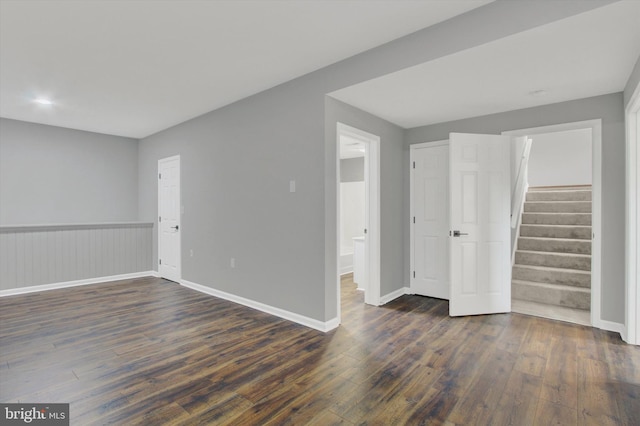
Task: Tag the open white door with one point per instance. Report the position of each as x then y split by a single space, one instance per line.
430 219
169 252
480 267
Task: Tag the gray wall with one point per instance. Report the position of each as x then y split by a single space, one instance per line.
237 162
609 108
352 169
632 83
54 175
561 158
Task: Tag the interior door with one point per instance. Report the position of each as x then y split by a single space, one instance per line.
169 253
480 268
430 220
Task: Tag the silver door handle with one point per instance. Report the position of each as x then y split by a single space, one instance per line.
458 233
175 227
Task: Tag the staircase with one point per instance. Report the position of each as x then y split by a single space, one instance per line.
552 269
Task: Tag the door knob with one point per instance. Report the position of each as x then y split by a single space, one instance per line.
175 227
458 233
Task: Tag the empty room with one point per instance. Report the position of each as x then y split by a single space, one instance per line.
319 212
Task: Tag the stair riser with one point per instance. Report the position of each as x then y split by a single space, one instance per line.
559 207
575 279
560 297
576 233
583 219
559 196
554 245
553 260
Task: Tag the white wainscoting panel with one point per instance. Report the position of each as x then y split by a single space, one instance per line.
47 254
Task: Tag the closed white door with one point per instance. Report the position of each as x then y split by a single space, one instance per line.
480 268
430 220
169 253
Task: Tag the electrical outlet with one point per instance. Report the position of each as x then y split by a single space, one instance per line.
191 252
233 262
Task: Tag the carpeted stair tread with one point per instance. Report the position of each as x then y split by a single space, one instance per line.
557 207
556 218
554 286
544 274
560 245
575 232
552 294
552 259
567 195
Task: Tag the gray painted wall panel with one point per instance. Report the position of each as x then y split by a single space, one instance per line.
53 175
48 255
608 108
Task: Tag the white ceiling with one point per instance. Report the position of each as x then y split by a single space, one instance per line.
133 68
585 55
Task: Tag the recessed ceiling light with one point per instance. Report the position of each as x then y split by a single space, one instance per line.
43 101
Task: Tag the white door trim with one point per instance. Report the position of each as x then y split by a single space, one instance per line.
412 150
179 257
631 333
596 218
372 188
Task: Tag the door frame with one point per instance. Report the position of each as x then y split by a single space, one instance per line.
179 259
631 333
596 202
372 211
412 150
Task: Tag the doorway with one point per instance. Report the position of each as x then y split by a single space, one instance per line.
594 128
368 265
169 241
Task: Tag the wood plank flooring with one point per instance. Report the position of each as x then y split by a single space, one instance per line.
150 352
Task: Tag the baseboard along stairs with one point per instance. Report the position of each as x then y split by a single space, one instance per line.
552 268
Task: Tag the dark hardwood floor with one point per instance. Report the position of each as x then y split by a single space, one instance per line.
150 352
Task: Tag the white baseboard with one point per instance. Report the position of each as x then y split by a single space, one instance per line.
624 336
76 283
331 324
611 326
272 310
394 295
